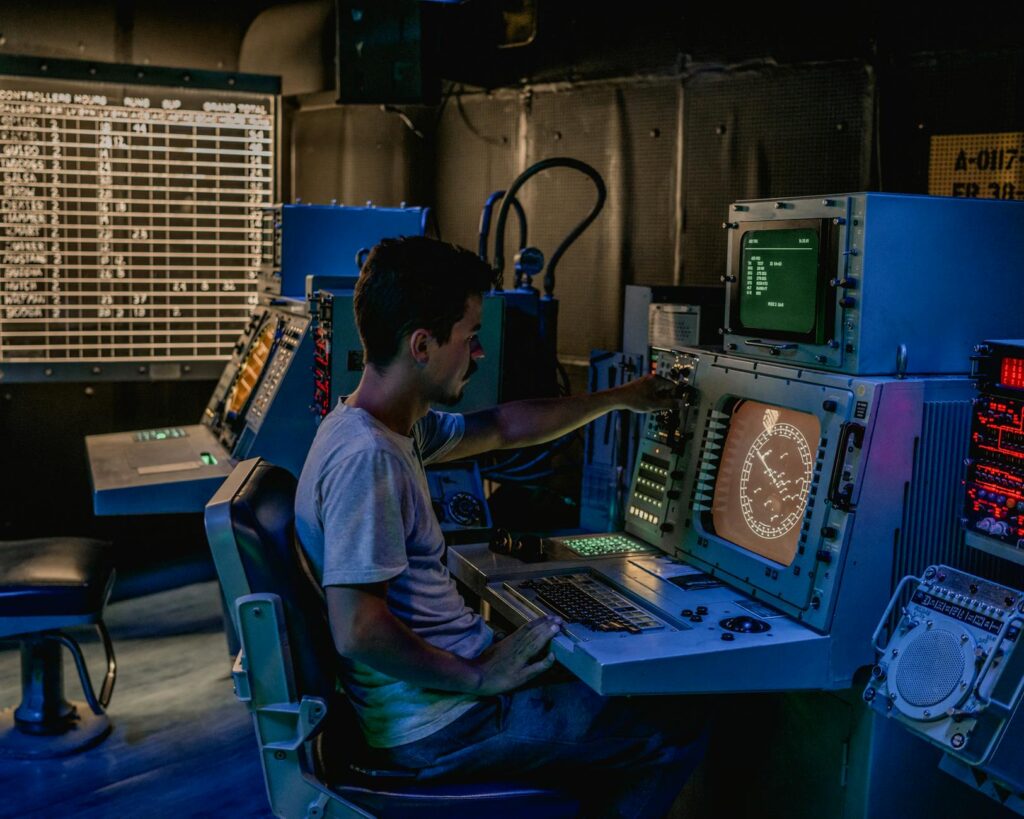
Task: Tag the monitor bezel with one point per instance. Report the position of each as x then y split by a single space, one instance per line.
790 588
828 265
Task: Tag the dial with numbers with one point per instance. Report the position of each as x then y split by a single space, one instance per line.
775 478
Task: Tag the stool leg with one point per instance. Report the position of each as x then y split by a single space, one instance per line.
83 672
111 675
43 709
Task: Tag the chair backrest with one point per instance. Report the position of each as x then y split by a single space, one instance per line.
250 526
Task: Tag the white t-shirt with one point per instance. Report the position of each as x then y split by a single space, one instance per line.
363 515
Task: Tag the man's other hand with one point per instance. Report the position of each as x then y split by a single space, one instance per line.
510 663
650 393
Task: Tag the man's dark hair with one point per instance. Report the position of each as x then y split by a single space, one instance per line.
414 282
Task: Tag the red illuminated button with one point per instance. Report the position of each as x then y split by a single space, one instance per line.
1012 373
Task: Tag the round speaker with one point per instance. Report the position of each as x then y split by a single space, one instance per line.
932 671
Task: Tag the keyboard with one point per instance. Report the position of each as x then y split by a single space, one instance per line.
604 545
581 598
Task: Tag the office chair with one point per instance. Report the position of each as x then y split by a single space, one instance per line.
48 585
286 674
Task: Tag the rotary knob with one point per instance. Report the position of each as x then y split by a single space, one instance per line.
665 421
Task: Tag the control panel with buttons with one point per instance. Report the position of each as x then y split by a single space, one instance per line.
655 498
993 517
951 671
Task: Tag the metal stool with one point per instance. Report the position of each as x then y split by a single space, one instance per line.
46 586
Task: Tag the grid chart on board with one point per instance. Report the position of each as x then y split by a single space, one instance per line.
130 220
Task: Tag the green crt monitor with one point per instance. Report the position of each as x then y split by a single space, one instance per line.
780 281
871 283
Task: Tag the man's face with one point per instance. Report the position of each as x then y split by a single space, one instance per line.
452 363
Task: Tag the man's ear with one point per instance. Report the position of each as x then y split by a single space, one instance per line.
419 346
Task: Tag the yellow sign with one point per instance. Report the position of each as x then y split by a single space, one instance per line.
978 166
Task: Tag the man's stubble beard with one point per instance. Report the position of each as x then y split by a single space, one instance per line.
449 399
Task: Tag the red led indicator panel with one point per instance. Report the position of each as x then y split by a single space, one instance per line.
1011 373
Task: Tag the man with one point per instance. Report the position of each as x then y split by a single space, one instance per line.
433 691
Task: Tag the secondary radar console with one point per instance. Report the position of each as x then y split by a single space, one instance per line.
260 404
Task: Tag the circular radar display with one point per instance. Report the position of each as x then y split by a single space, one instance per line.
775 478
764 478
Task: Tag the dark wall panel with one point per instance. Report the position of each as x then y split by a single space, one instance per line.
768 132
586 124
359 153
939 94
628 133
475 157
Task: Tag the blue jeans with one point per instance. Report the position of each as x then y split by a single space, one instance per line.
622 756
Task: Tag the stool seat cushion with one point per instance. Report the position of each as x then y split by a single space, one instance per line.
54 577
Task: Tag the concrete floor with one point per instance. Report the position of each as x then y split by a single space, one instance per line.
175 721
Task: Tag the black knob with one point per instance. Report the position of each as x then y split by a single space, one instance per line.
929 573
824 555
847 301
501 542
830 405
878 672
696 618
666 527
829 532
702 609
687 612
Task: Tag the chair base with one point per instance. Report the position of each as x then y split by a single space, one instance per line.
87 729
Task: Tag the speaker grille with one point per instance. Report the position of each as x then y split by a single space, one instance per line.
930 669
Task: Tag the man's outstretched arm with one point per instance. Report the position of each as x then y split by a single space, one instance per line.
365 630
537 420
